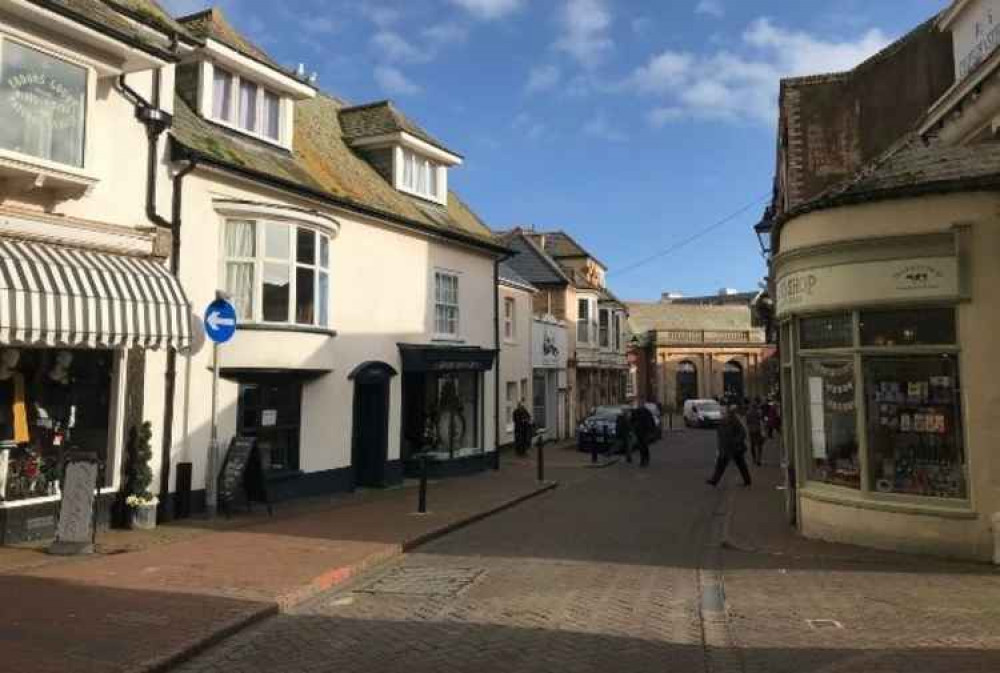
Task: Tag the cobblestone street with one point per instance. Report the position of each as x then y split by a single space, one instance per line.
603 574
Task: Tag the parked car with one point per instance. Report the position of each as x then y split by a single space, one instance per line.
600 428
702 413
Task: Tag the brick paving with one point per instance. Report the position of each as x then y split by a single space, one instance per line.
155 595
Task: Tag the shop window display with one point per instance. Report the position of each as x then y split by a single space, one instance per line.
832 421
451 414
829 331
914 426
51 402
928 326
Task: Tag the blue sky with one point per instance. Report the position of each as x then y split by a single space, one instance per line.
631 124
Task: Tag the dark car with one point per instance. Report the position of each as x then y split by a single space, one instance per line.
600 428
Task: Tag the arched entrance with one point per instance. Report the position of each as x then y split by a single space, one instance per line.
732 382
370 439
687 382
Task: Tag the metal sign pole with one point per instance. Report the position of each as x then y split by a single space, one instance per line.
211 504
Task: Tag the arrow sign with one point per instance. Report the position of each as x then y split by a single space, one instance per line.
220 321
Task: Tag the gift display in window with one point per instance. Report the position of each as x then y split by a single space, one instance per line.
832 422
914 430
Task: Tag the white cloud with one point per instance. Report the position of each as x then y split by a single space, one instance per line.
529 127
489 9
444 34
394 82
741 83
599 127
543 78
710 8
585 26
393 47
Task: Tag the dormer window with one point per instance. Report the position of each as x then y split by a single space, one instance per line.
420 175
244 104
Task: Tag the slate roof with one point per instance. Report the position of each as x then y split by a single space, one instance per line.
658 316
381 118
560 244
212 23
108 17
509 275
531 263
323 166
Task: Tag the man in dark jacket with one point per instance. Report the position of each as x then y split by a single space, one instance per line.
623 432
645 426
522 429
732 439
755 426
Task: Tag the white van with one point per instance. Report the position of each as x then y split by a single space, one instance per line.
702 413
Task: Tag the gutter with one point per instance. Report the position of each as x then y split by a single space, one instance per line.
183 152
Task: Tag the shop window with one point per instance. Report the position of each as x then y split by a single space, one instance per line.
914 426
446 304
832 422
43 104
918 327
293 265
271 412
830 331
51 402
452 414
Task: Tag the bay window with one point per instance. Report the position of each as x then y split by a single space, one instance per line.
604 327
445 304
43 104
277 272
245 104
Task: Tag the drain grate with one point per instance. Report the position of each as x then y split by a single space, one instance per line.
417 581
824 624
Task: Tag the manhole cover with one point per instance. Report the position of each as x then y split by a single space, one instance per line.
424 581
824 624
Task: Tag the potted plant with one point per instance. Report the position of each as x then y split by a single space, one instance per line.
141 502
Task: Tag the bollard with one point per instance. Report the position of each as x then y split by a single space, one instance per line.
541 458
422 502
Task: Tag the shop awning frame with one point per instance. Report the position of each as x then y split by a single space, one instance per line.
52 295
434 358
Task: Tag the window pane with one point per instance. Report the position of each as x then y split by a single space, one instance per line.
276 292
914 426
248 105
833 441
222 94
305 246
324 252
829 331
305 295
276 241
241 238
935 326
43 105
432 185
408 160
272 115
240 286
323 300
603 317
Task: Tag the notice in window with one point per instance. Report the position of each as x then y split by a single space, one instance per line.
269 418
817 417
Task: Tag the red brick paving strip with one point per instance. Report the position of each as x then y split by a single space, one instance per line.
148 609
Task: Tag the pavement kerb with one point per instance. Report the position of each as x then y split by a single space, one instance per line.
324 582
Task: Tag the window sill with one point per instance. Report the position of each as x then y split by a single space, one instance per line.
445 339
892 503
277 327
249 134
25 174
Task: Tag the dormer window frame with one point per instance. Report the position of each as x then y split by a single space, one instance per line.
400 143
238 84
413 169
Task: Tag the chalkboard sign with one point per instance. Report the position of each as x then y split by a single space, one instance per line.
242 475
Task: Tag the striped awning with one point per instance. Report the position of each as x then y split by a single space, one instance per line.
59 296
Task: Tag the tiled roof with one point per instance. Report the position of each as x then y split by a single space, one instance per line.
108 16
211 23
381 118
531 263
324 166
659 316
509 275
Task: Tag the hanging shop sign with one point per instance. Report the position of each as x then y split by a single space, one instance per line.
845 285
548 345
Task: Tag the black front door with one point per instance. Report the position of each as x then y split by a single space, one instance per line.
371 433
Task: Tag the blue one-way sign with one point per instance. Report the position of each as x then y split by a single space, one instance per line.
220 321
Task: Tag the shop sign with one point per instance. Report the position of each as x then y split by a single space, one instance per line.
976 35
847 285
548 345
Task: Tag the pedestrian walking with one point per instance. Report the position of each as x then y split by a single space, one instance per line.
623 431
732 446
773 418
644 427
522 429
755 428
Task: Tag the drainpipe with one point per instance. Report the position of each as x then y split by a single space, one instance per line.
496 375
157 122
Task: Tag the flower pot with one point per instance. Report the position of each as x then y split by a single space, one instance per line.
144 518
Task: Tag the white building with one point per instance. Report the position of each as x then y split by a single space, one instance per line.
549 360
516 334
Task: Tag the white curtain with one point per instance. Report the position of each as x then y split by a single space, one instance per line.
241 244
248 106
222 95
272 116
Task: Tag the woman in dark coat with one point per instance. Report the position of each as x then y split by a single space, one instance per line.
732 439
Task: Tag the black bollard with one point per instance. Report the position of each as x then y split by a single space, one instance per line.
422 502
541 458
